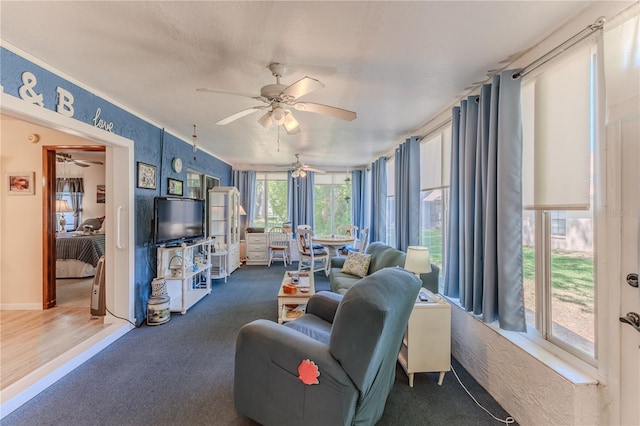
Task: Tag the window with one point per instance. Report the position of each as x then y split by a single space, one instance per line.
71 224
331 202
558 222
435 159
391 202
271 200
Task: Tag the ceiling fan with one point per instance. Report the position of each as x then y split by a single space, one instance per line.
300 169
63 157
278 97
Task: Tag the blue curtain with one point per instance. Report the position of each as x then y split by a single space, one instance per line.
378 228
407 190
484 267
357 199
245 182
300 200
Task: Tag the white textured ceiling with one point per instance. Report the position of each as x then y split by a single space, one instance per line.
397 64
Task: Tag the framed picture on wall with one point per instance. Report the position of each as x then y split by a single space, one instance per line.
101 194
146 176
174 187
21 183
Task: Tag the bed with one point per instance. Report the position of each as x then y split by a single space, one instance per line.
77 254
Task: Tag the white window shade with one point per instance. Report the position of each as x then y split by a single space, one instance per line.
431 163
322 179
446 157
391 177
556 109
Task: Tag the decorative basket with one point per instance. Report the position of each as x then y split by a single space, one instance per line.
289 288
159 287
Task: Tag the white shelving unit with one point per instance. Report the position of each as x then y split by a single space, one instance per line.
223 214
186 270
427 343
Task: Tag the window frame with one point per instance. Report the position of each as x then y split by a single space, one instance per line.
541 330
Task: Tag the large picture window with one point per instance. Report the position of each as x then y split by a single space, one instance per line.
331 202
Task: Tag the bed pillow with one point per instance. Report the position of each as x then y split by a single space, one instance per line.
357 264
95 224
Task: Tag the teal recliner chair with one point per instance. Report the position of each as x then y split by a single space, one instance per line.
353 339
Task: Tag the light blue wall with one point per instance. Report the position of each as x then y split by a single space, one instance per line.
151 145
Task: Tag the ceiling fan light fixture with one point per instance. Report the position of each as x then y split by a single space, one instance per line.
303 173
266 120
291 124
278 115
295 174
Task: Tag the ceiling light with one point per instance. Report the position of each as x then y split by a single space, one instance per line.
266 120
291 124
295 173
303 173
278 115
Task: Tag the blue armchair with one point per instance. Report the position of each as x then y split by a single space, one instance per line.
353 339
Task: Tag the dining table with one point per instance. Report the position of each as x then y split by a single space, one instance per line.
333 243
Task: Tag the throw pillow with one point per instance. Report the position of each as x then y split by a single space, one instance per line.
357 264
95 224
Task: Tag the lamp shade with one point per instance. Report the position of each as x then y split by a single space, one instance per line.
418 260
242 212
62 206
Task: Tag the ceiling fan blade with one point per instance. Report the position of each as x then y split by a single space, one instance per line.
291 125
224 92
240 114
89 162
302 87
78 163
340 113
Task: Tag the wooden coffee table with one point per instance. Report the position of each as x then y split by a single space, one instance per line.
286 312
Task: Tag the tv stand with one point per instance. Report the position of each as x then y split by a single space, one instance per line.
185 268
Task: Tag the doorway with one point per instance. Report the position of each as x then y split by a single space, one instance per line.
82 167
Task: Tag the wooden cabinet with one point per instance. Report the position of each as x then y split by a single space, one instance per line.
427 343
186 271
223 215
257 248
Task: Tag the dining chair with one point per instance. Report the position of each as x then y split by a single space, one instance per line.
308 228
278 241
311 258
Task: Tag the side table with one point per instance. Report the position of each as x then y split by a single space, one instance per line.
218 262
427 343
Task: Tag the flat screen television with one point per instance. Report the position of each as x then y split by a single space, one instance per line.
177 220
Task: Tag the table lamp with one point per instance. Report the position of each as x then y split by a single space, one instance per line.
418 260
62 206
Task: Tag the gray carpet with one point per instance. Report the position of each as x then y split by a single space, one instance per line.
181 372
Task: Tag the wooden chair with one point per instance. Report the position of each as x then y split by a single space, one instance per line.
278 241
363 243
312 259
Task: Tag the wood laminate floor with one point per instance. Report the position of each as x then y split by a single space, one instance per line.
31 339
